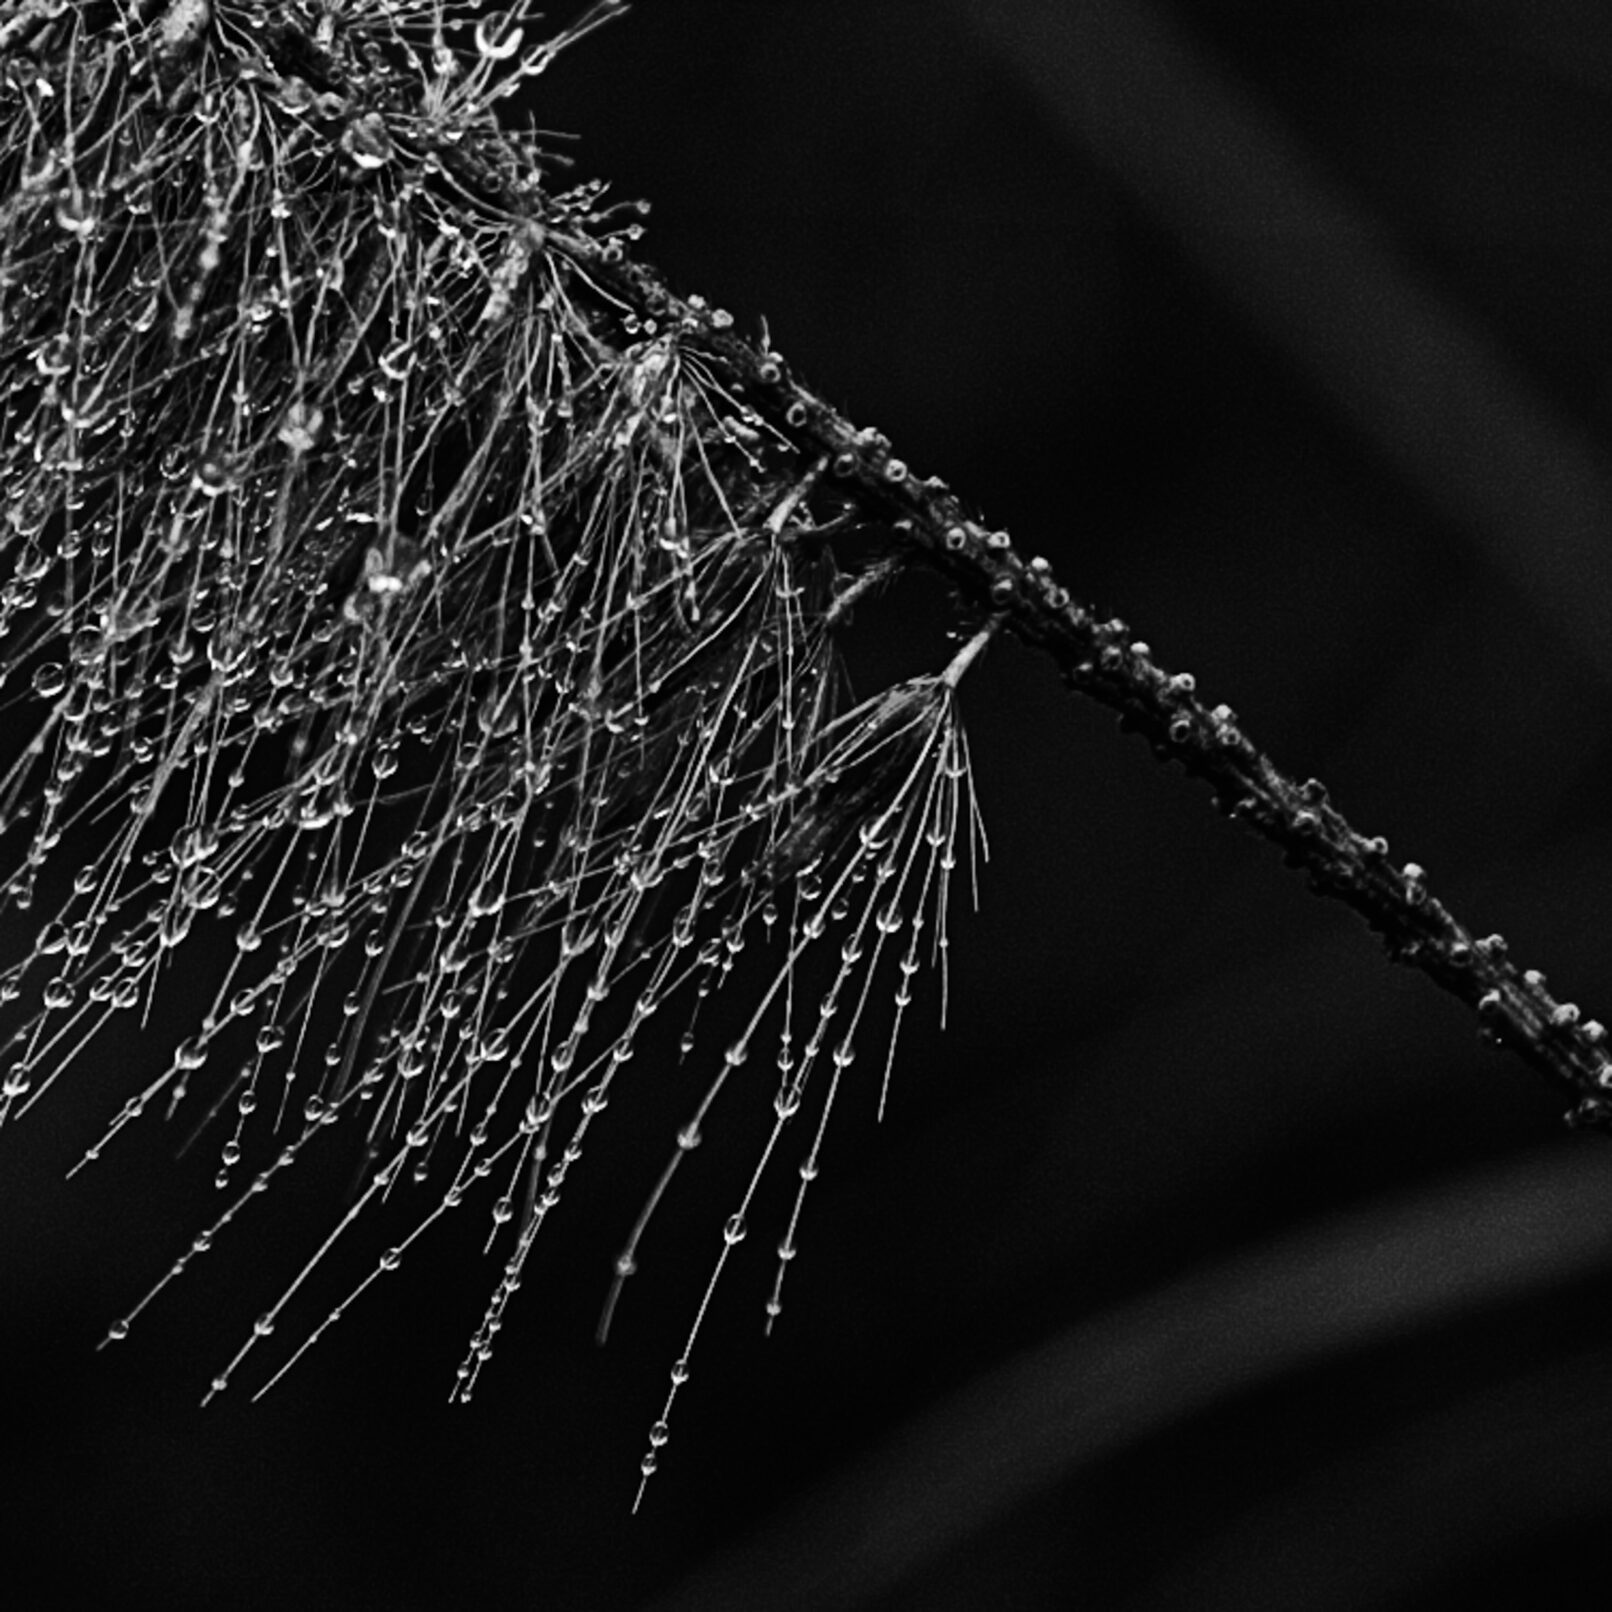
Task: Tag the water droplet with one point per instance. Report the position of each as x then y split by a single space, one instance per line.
396 362
50 680
212 479
314 814
498 36
175 924
300 429
367 141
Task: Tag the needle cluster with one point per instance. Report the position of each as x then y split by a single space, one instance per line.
387 605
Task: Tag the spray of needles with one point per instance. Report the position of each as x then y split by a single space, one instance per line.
388 603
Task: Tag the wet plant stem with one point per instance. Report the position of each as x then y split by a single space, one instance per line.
1104 660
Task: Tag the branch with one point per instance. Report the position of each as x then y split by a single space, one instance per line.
1104 661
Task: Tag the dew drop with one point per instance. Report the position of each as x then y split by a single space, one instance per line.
396 362
367 141
212 479
175 924
300 429
498 36
50 680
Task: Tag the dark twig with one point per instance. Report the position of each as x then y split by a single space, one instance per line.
1104 661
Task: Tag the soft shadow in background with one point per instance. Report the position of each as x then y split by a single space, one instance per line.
1206 1260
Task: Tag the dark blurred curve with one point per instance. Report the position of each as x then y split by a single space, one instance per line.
1522 1228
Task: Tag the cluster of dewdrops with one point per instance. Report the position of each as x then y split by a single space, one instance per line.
390 614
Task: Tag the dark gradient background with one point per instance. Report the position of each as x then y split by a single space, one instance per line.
1206 1260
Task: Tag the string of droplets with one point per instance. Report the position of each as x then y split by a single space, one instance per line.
381 596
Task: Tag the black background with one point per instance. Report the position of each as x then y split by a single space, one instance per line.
1319 1285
